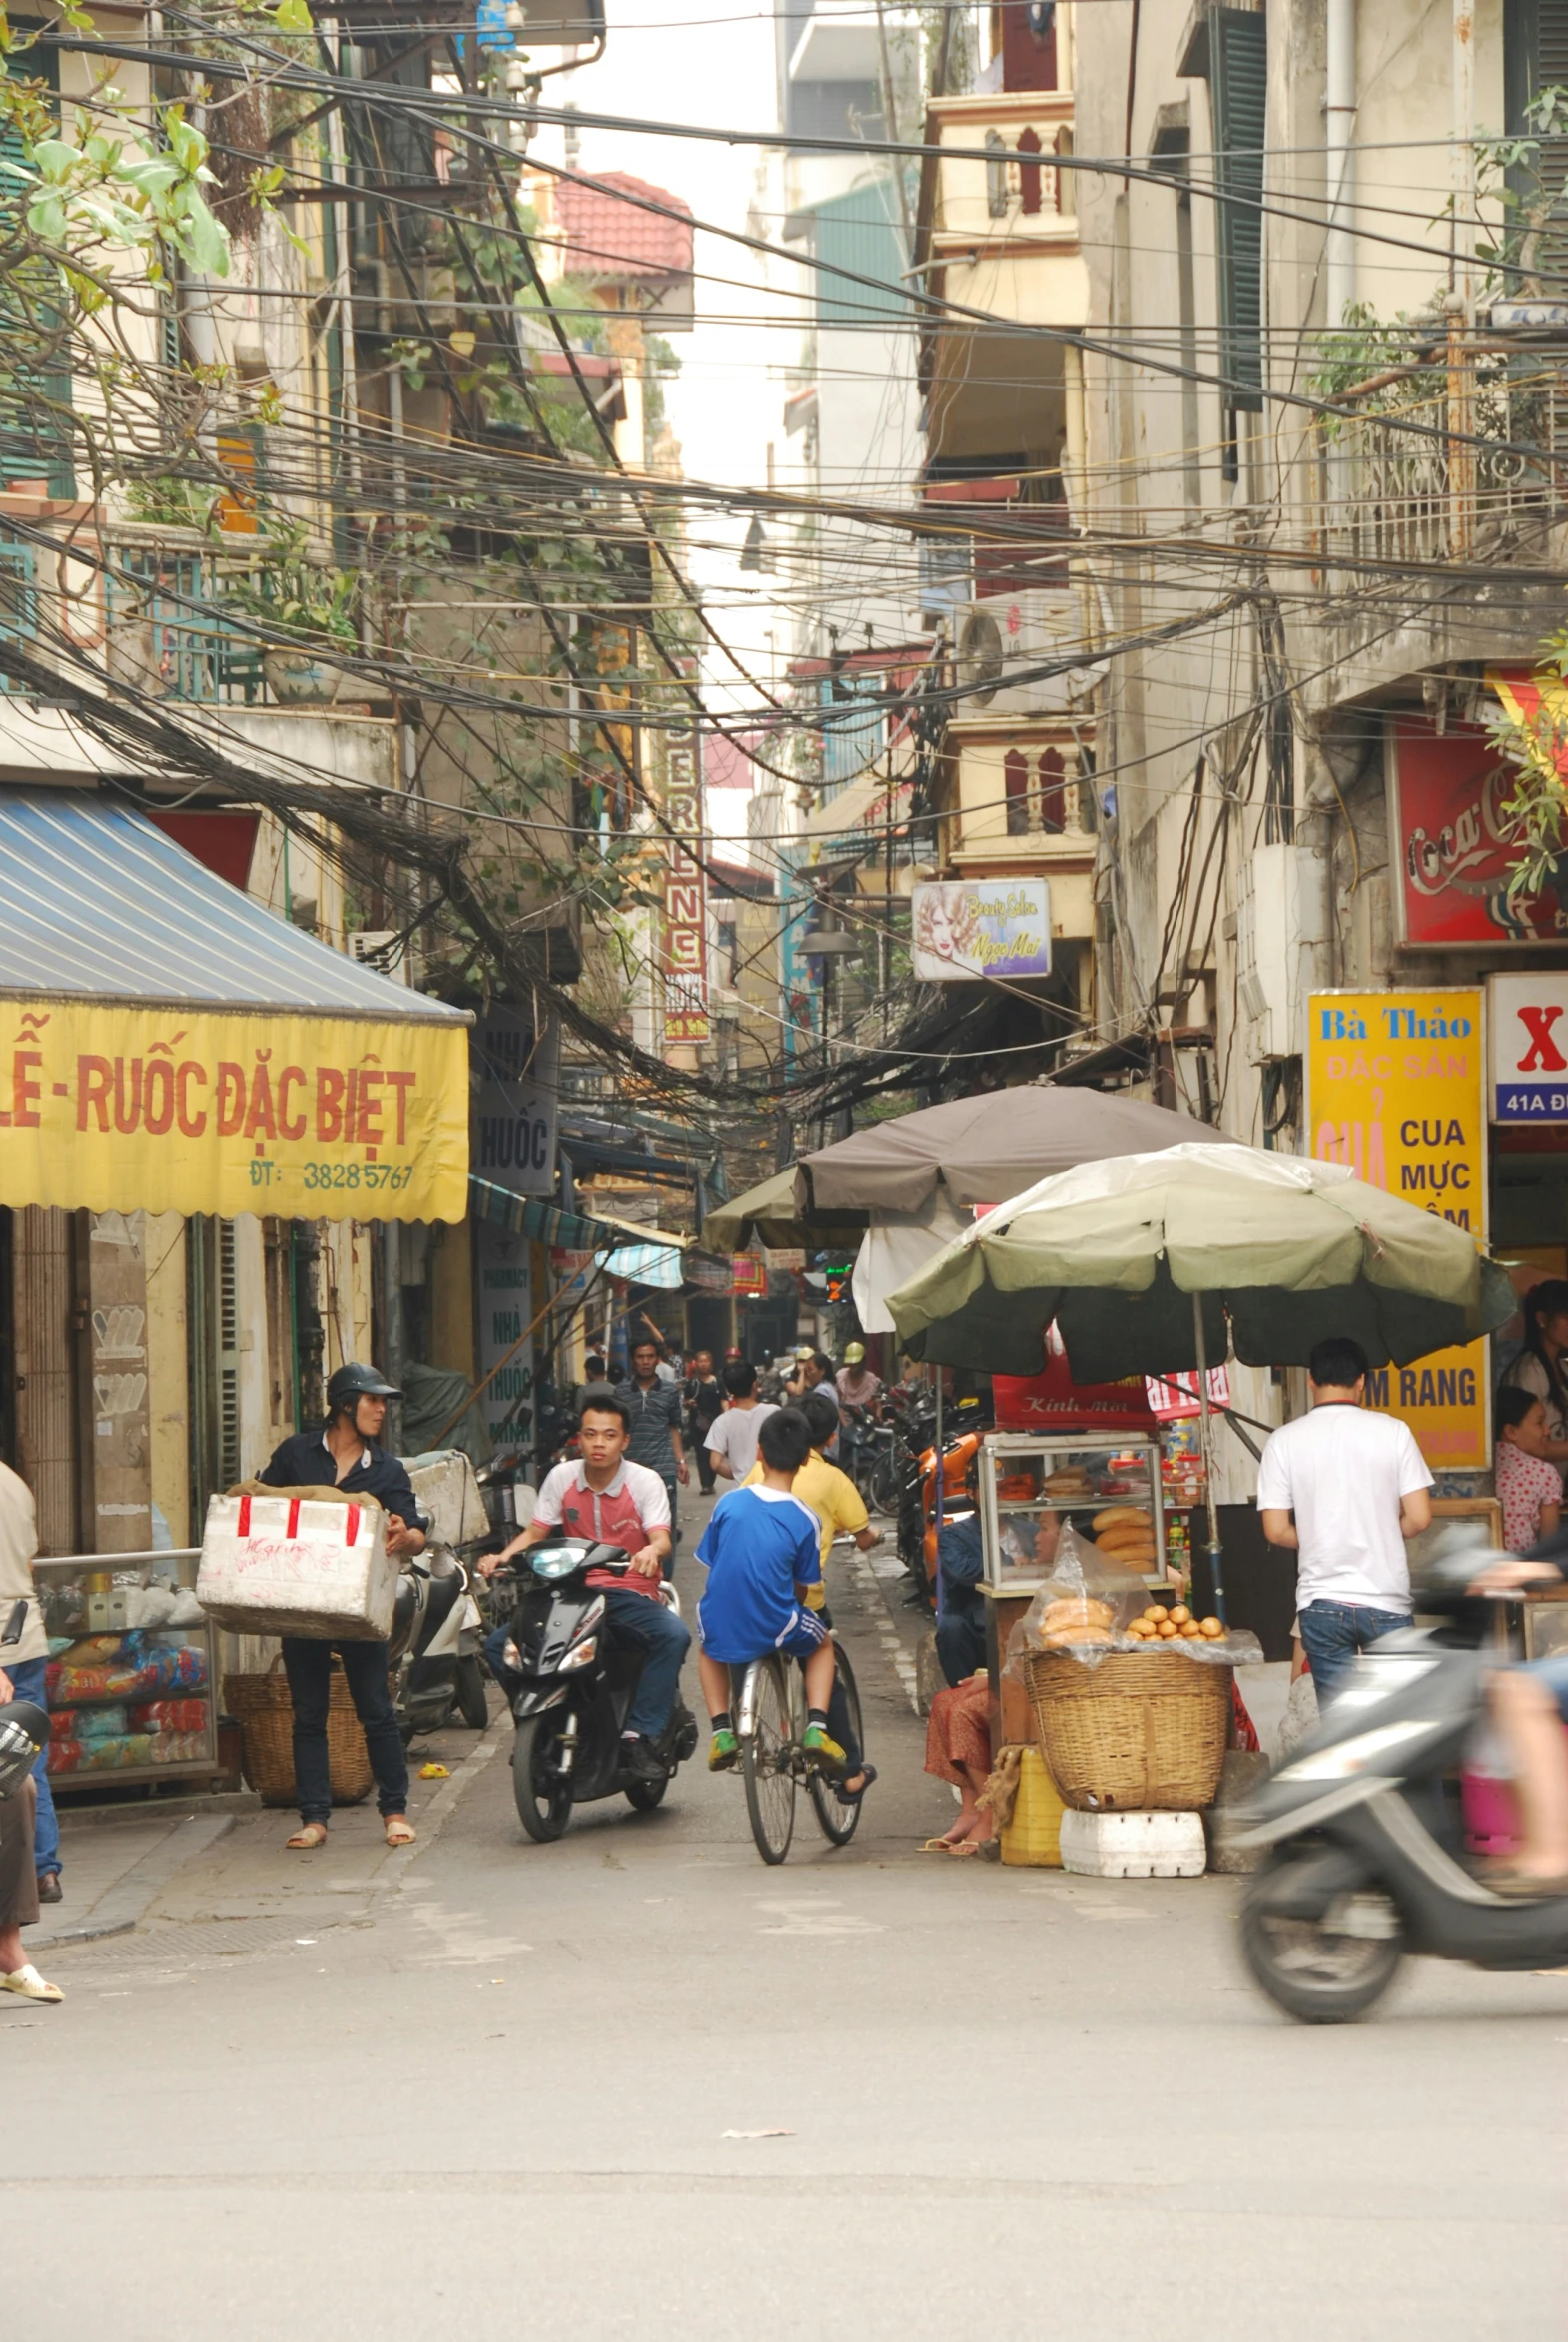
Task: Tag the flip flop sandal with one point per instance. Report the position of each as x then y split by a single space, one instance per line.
852 1797
401 1831
307 1838
28 1985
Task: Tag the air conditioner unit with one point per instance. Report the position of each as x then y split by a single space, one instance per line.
1011 635
380 948
1280 924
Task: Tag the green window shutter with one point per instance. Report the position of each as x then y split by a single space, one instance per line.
860 231
1238 86
1535 58
32 444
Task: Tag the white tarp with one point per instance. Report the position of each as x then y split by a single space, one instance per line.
894 1246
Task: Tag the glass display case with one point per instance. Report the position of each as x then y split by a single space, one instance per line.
1032 1483
132 1682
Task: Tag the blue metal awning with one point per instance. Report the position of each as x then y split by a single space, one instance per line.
96 904
655 1264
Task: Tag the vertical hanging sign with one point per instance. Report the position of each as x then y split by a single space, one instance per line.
684 953
1396 1088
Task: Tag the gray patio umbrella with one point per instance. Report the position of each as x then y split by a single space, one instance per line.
982 1149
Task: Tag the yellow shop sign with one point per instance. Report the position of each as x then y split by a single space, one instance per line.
159 1109
1396 1087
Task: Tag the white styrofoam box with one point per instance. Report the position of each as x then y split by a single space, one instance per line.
1133 1846
447 1488
289 1565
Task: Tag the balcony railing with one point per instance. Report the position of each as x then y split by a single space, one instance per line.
1465 472
165 629
1015 186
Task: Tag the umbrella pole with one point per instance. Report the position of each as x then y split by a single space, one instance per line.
1207 1435
941 1485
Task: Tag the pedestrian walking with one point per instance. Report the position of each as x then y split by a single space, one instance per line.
1357 1487
344 1454
19 1888
703 1397
816 1373
27 1660
732 1436
654 1406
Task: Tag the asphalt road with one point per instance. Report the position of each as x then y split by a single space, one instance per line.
500 2087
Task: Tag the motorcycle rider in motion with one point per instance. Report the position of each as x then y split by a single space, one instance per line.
607 1500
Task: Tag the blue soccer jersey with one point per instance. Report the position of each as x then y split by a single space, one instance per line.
759 1544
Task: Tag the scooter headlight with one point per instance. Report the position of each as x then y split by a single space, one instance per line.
580 1654
1363 1753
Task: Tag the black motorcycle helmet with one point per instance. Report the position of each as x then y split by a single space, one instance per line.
24 1730
351 1384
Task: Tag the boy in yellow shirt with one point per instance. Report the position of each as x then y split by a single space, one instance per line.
836 1501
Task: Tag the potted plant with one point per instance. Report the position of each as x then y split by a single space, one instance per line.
314 607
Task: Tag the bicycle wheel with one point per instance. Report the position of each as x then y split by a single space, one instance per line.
767 1758
839 1815
883 1497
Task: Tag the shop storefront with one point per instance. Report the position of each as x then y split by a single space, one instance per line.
1453 1092
210 1122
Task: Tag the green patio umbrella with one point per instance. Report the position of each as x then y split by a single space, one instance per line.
1141 1262
772 1212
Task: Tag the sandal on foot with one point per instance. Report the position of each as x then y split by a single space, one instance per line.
400 1830
852 1797
308 1836
29 1986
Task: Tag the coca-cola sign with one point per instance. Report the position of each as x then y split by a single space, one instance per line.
1453 840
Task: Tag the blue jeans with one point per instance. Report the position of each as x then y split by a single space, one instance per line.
307 1665
27 1682
632 1618
1334 1633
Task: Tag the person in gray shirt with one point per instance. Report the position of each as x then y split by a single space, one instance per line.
655 1409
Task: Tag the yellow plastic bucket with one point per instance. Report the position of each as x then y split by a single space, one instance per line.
1032 1836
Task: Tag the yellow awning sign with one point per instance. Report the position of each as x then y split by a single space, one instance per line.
167 1108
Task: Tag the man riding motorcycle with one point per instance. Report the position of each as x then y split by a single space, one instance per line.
606 1500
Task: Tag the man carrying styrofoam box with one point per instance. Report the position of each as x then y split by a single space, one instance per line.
344 1453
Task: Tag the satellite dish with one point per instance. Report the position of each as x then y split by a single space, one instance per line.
980 658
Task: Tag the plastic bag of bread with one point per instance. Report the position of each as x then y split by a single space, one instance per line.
1083 1604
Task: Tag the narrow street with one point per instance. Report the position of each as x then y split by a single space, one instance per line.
493 2084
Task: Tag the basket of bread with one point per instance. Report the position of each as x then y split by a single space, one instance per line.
1131 1698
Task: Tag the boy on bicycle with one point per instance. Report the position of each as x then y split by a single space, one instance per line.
761 1551
832 1495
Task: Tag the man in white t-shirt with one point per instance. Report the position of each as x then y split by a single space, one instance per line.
1358 1487
732 1436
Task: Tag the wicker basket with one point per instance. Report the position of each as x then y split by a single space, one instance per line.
260 1705
1142 1730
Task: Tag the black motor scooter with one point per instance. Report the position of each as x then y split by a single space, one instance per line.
437 1627
578 1688
1364 1832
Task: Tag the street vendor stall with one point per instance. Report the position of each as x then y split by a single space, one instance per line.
1157 1265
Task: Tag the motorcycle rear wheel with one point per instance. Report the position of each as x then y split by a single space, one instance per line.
542 1790
1316 1973
472 1706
